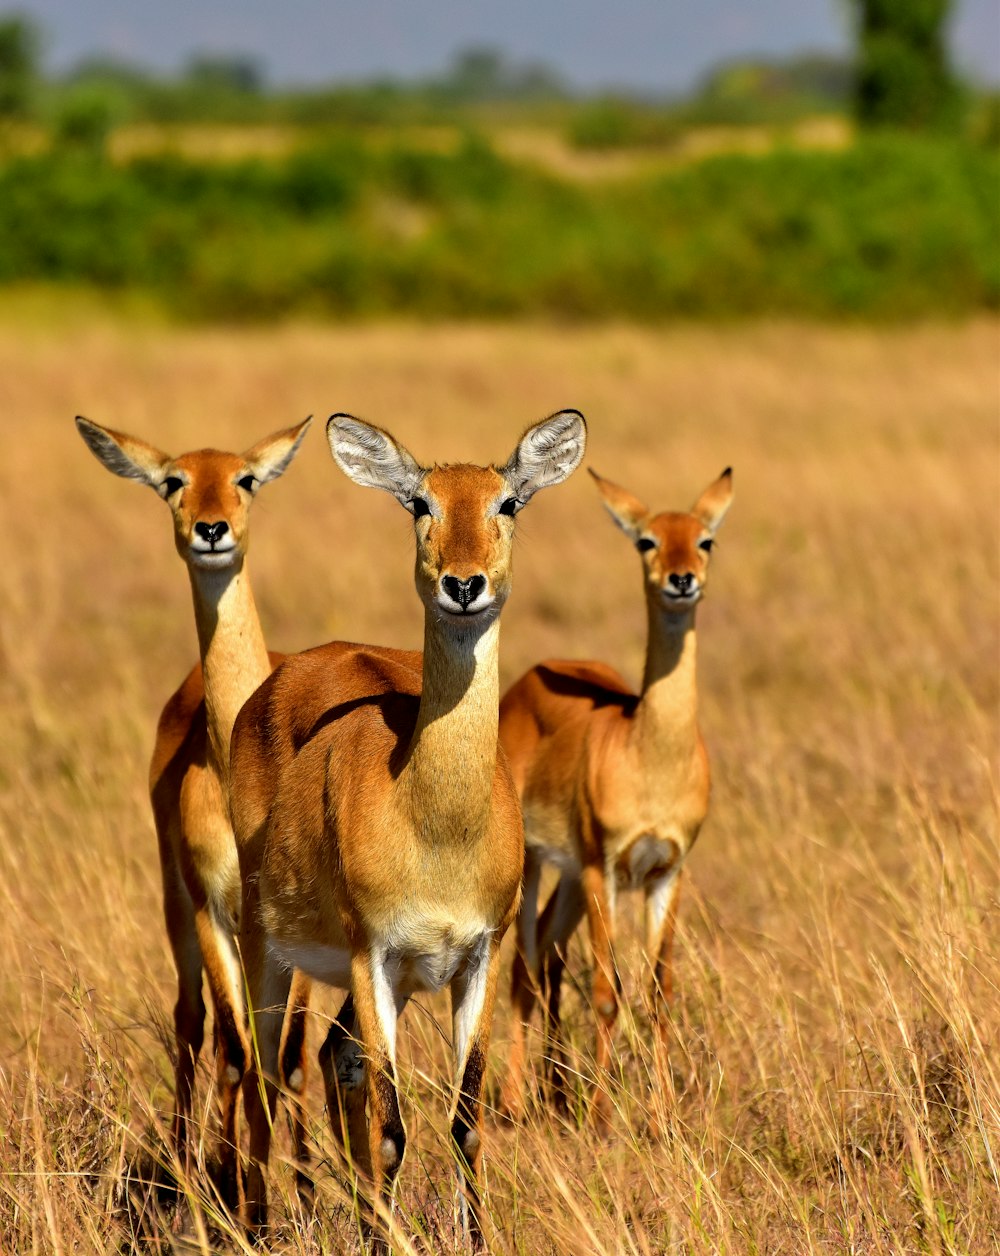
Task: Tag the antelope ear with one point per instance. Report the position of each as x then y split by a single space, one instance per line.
547 453
712 505
370 457
270 457
125 455
627 511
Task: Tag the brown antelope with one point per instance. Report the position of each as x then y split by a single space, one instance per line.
209 495
380 836
614 787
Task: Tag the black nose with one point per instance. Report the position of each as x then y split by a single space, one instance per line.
211 532
682 582
464 591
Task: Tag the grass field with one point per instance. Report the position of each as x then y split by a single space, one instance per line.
836 1077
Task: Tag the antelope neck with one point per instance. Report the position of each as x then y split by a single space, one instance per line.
667 715
234 657
451 761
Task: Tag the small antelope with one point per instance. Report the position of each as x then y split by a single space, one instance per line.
209 495
614 787
380 836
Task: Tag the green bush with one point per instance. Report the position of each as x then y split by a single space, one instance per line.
895 227
611 123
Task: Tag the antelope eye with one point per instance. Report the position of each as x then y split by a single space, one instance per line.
706 544
419 507
171 485
509 507
246 483
644 543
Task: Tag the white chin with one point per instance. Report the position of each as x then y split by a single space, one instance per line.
681 603
470 614
213 560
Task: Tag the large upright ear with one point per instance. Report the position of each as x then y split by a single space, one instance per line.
270 457
547 453
371 458
627 511
124 455
712 505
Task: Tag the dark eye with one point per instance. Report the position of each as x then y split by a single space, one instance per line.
171 485
644 543
510 507
419 507
706 544
247 483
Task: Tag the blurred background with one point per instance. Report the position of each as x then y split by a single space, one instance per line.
832 159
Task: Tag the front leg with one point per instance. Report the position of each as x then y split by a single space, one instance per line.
473 994
377 1010
268 985
598 906
225 981
294 1066
662 897
523 988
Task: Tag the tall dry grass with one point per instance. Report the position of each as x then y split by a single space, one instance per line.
836 1029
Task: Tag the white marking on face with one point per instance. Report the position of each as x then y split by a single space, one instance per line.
213 559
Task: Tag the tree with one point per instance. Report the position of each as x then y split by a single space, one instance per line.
903 77
19 44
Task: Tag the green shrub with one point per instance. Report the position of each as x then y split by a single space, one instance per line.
895 227
611 123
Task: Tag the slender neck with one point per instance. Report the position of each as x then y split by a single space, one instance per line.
667 714
234 657
451 760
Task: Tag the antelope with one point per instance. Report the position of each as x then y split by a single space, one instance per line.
209 494
379 831
614 787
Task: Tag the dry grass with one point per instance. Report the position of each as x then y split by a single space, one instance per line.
838 1014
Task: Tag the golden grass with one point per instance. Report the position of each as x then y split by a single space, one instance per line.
835 1054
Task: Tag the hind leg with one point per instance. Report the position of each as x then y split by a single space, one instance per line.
342 1061
556 926
294 1075
523 989
605 984
225 979
269 984
189 1011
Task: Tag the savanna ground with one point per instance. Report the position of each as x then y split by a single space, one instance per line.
836 1027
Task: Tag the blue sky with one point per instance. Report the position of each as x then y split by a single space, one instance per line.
639 43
